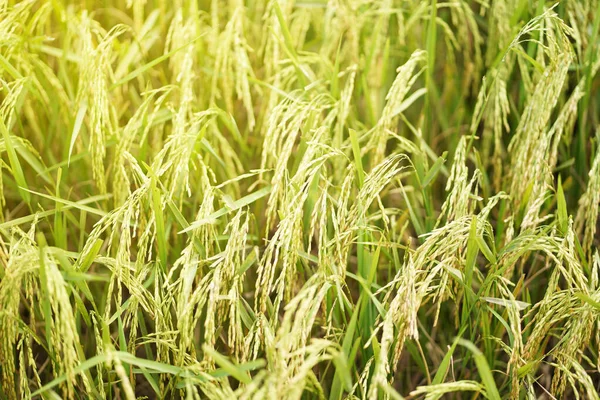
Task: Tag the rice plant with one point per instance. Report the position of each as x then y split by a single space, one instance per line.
299 199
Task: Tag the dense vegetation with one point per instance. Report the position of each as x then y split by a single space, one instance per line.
286 199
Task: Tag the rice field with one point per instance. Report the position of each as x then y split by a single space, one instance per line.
299 199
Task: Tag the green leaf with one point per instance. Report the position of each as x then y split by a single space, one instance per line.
134 74
445 364
357 158
228 366
236 205
89 258
46 305
485 250
484 370
85 365
413 215
338 378
72 204
76 128
561 203
15 165
472 250
289 43
28 218
434 170
159 221
151 365
341 366
587 299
